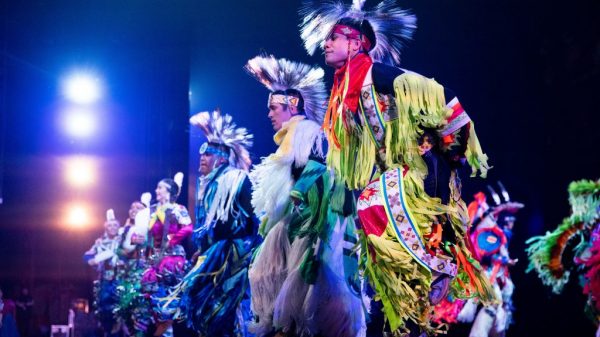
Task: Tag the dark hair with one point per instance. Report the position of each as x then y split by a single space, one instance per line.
293 93
431 136
173 188
363 26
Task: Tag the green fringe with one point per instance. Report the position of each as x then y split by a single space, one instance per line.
353 162
401 284
422 98
582 187
338 197
421 104
317 213
486 296
584 197
540 255
475 156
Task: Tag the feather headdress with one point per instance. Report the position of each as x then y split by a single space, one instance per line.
392 25
220 129
110 215
282 74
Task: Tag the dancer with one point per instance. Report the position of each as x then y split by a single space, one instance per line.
103 256
491 231
169 225
129 276
215 293
304 278
413 221
546 252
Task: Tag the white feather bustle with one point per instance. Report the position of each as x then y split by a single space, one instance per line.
278 290
272 179
271 186
311 134
266 274
288 312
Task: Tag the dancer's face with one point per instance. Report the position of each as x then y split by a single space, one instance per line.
112 228
337 48
279 114
135 207
425 145
208 162
162 192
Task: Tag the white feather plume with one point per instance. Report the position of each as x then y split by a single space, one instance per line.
145 199
392 25
358 4
282 74
178 178
222 130
110 215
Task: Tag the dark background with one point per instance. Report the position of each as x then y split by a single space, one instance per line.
527 72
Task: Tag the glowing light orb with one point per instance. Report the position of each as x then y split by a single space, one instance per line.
82 88
78 216
80 171
79 123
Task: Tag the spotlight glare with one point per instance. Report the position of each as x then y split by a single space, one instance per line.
77 216
82 88
79 123
80 172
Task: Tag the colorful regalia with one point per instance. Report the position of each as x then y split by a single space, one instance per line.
129 275
103 256
169 225
303 279
546 253
214 296
490 234
413 221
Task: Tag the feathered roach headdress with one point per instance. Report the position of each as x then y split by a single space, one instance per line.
383 30
282 74
479 208
224 138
